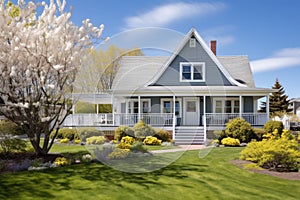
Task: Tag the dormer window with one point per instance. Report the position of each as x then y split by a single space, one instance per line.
192 72
192 42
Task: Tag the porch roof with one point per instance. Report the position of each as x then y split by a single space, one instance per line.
195 91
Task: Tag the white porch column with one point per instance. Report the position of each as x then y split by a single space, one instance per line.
113 108
174 117
241 105
139 109
204 117
268 107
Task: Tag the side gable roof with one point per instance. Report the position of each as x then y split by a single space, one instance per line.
194 33
136 71
239 68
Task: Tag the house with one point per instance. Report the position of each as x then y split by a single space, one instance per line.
188 93
295 106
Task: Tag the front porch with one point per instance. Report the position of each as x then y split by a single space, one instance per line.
210 120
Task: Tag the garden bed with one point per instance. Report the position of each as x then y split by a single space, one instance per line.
285 175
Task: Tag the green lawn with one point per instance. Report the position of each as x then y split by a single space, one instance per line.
187 178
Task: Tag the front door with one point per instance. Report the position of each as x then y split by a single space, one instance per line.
191 111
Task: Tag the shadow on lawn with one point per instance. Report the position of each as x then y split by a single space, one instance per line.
79 177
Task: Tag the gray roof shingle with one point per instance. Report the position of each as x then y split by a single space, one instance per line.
136 71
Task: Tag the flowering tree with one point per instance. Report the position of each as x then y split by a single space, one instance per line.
40 52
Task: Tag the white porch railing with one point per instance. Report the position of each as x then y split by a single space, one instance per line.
155 119
220 119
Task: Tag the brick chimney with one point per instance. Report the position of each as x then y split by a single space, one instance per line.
213 46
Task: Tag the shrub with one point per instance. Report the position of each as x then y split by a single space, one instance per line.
95 140
163 135
212 135
298 136
259 132
138 147
9 144
9 128
230 142
71 134
123 131
280 154
150 140
88 132
270 126
65 140
142 130
76 141
239 129
119 153
126 142
61 161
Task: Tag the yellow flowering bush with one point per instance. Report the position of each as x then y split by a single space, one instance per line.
95 140
119 153
61 161
150 140
279 153
64 141
126 142
230 142
76 141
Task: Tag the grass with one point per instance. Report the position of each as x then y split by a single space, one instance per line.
189 177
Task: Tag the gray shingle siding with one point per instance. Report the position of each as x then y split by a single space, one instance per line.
213 75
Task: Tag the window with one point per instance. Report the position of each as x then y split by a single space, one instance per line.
192 42
226 106
167 106
133 106
192 72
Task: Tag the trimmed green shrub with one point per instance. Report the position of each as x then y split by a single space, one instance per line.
71 134
77 141
163 135
150 140
239 129
259 132
138 147
270 126
95 140
88 132
64 141
123 131
231 142
280 154
142 130
8 144
9 128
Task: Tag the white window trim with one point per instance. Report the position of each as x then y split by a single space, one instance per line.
192 71
172 103
193 42
131 103
223 104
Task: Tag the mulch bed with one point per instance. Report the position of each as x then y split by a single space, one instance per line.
14 162
284 175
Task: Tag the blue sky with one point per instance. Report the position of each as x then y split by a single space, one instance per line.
268 31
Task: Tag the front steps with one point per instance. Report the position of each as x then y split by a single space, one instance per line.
185 135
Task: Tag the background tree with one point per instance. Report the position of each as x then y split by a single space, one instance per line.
39 57
99 69
279 101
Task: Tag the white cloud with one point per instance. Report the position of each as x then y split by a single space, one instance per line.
222 40
221 34
169 13
283 58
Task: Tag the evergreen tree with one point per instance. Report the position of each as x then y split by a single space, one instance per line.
279 101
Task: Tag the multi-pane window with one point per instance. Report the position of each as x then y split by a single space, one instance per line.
167 106
192 42
192 72
226 106
133 106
